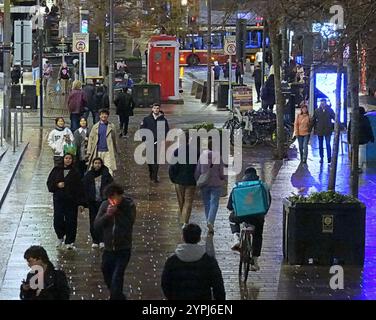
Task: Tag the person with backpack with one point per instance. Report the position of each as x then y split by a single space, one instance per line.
55 283
240 205
77 104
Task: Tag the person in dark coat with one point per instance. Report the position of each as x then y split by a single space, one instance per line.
81 138
55 284
322 122
217 70
68 193
124 109
365 135
116 217
239 71
257 221
151 123
90 93
15 74
257 76
102 99
268 94
182 175
95 181
190 273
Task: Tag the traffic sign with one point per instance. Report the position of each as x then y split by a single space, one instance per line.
230 45
80 42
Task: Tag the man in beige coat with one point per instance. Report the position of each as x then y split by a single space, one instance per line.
102 142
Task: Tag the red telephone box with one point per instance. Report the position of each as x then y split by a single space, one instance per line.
163 65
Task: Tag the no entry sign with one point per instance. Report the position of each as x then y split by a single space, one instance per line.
80 42
230 45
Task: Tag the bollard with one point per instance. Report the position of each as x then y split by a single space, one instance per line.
21 129
16 127
14 131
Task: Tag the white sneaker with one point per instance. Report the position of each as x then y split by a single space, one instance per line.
255 266
210 228
101 245
59 243
235 242
70 246
95 245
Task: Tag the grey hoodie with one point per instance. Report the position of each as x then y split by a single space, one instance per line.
188 252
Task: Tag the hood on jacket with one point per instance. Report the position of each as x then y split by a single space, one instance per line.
189 252
161 114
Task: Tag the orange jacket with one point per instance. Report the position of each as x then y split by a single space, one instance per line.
302 125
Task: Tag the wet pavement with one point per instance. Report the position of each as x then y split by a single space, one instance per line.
27 213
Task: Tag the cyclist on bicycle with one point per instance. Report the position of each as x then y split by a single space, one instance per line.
257 221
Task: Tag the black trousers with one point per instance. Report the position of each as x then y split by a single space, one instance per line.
258 222
96 235
258 90
81 167
153 171
65 218
124 122
114 264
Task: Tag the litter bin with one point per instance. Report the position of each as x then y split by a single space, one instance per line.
30 96
324 233
144 95
371 147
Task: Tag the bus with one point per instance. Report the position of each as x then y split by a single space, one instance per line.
193 47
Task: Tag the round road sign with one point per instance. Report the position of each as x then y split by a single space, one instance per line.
81 46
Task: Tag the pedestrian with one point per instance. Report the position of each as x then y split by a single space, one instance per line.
239 71
210 179
151 123
136 51
47 73
268 93
54 285
302 130
217 70
182 175
76 69
124 109
58 138
116 217
322 122
77 104
35 68
257 220
257 76
81 138
68 193
225 71
190 273
102 142
102 99
92 107
95 181
365 136
64 77
16 74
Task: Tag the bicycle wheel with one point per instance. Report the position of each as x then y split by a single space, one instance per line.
245 257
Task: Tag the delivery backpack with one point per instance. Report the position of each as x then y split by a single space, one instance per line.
250 198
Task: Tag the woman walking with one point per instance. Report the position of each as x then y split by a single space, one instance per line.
77 103
210 178
302 130
64 76
81 138
68 193
58 139
95 181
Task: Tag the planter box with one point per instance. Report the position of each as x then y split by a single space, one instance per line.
324 234
144 95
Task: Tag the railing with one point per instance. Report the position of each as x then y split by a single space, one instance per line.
16 124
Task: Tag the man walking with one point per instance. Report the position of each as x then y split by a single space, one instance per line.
124 109
115 219
191 274
257 76
322 122
102 142
151 122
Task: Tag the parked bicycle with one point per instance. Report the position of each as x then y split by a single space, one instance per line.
246 233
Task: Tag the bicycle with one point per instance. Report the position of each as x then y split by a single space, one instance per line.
245 249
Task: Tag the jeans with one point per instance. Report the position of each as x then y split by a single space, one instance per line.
75 121
185 196
96 235
210 196
35 74
94 114
65 219
114 264
328 148
303 147
258 222
124 122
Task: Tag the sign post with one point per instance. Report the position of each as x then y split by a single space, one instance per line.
80 45
230 50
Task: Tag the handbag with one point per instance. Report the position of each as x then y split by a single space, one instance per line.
204 178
